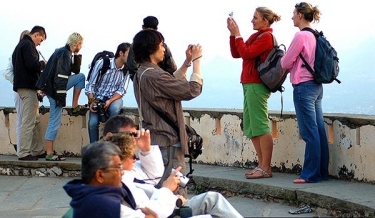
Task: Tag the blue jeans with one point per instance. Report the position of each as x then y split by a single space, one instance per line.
113 110
78 82
307 98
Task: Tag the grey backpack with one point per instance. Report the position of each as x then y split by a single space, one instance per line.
270 71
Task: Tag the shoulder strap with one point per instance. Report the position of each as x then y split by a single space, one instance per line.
274 44
307 65
314 32
104 69
161 114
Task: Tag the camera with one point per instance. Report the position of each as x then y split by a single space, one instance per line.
231 15
99 107
183 179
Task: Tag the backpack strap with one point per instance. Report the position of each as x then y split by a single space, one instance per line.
273 45
104 69
307 65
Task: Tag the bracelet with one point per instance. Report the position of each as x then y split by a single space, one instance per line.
196 58
237 37
188 64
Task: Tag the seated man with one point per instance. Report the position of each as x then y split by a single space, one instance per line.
146 172
162 206
100 192
107 88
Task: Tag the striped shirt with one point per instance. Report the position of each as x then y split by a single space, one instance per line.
113 81
159 90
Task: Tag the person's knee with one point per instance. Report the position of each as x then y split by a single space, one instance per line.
213 196
81 80
92 125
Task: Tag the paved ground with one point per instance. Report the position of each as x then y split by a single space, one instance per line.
43 197
22 196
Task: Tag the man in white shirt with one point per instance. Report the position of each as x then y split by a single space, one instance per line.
144 174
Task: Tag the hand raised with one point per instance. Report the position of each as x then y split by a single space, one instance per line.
143 141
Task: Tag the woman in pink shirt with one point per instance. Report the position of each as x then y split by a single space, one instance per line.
307 96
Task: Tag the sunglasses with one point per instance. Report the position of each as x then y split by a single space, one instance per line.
134 157
133 134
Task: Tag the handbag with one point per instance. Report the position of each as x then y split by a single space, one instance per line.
8 72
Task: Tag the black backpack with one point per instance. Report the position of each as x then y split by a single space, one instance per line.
326 65
105 55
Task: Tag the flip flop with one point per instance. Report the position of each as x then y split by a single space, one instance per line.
52 157
299 181
251 171
76 111
261 175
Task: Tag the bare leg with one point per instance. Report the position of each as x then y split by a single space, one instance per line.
76 93
266 147
257 145
49 146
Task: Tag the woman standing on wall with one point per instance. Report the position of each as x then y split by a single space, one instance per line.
255 112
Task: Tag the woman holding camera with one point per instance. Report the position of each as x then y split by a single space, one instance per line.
255 111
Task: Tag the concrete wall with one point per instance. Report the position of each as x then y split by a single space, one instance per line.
351 139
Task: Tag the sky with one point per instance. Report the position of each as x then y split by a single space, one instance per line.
104 25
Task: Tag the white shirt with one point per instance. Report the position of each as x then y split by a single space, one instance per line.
150 166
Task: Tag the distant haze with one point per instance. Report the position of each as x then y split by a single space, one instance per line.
104 26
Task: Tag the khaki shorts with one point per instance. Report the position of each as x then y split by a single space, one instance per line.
255 110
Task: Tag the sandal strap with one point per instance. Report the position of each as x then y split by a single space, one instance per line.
52 157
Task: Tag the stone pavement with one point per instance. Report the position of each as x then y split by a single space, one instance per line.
41 195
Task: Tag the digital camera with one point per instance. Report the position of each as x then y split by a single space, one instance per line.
99 107
183 179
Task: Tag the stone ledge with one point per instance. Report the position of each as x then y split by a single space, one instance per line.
340 198
11 166
290 196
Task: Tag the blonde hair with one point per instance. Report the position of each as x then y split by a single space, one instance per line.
124 142
310 13
74 39
25 32
268 15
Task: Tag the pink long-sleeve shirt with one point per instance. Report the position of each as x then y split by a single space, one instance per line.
304 42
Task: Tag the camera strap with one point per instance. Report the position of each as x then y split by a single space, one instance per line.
162 115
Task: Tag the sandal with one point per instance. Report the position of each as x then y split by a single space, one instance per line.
251 171
255 175
52 157
76 110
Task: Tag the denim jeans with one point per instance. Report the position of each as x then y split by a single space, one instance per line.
113 110
55 112
307 98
